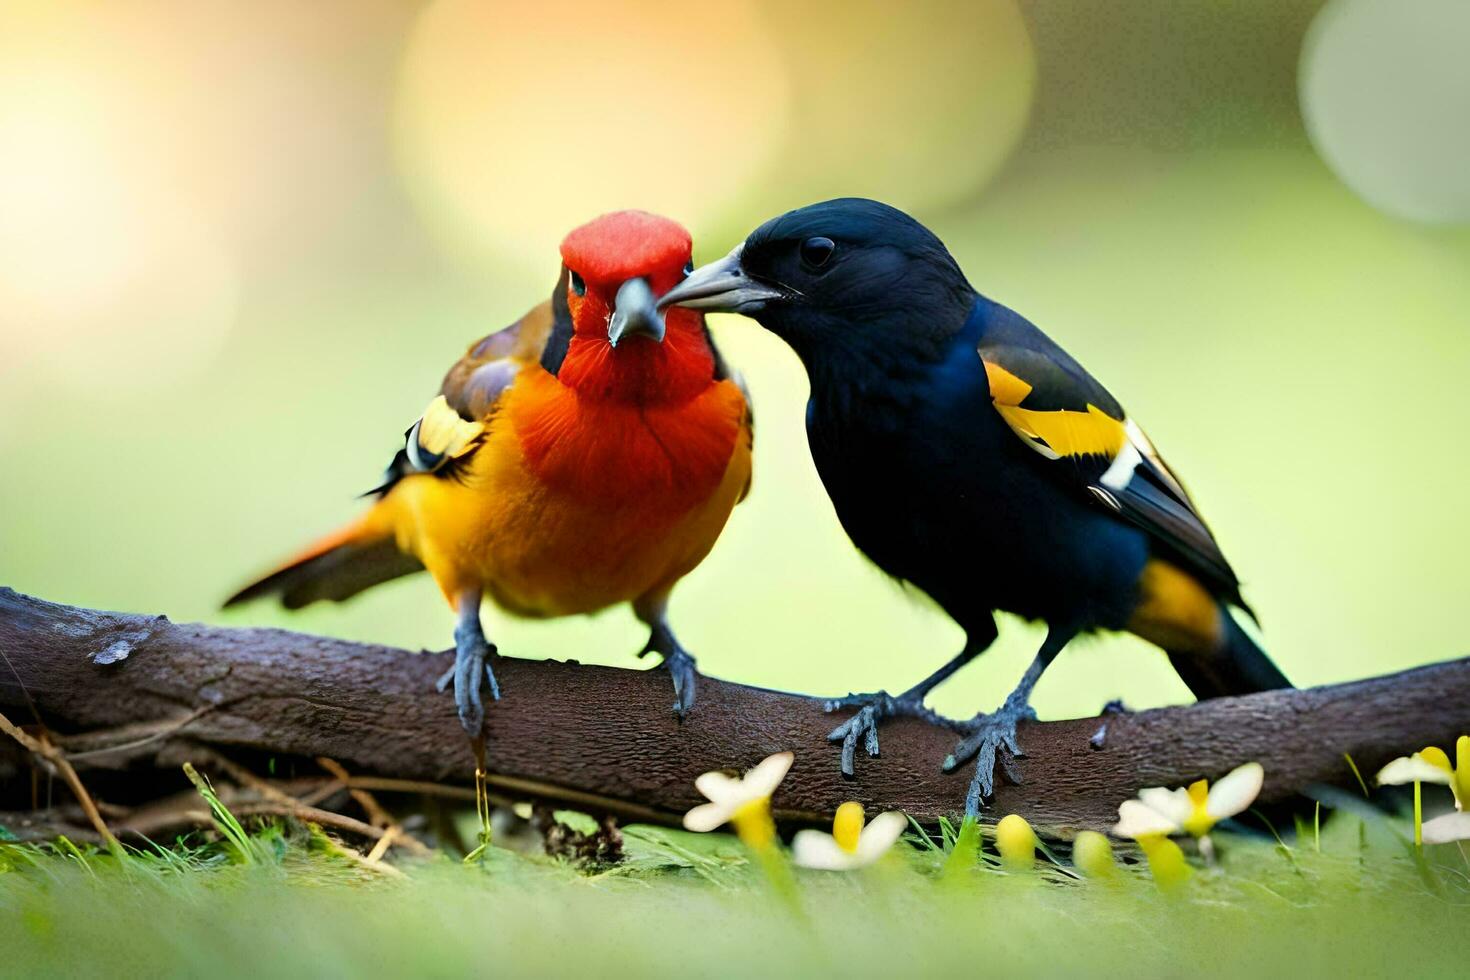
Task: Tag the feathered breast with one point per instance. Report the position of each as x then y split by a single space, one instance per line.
667 456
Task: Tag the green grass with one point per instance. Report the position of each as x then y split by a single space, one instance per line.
1349 901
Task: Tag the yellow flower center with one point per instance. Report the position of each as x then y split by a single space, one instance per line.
1165 859
1459 771
1199 822
754 825
1435 756
847 826
1461 784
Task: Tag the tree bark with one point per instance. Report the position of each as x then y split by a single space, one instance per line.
603 738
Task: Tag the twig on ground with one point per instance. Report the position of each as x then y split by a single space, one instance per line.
393 830
43 748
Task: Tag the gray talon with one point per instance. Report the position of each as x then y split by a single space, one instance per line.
992 741
873 709
471 670
681 667
681 670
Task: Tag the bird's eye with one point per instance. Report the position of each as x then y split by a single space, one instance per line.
575 281
688 267
816 251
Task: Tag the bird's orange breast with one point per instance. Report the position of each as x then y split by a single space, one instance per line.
574 504
665 458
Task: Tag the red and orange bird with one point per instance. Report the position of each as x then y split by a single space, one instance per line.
588 454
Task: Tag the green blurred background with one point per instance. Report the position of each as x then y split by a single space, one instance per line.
240 242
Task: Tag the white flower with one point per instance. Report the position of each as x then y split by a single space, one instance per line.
732 796
1448 827
1160 812
851 843
1432 765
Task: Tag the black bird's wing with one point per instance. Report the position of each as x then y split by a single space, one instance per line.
1071 421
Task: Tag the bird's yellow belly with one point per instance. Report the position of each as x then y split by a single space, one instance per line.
540 549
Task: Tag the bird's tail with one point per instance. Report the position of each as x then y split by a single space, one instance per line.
337 567
1239 666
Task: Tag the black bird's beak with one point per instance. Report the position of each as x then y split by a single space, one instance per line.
634 312
721 286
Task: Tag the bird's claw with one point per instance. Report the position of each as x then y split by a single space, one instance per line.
471 660
992 741
681 670
873 709
681 667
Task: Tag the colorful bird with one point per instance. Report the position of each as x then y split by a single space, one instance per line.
968 454
586 455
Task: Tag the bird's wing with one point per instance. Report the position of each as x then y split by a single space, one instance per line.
455 422
1071 421
473 386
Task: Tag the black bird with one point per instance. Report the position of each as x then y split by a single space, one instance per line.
968 454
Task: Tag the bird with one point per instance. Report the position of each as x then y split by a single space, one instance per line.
969 456
586 455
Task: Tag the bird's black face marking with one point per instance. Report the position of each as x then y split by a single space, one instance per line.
855 272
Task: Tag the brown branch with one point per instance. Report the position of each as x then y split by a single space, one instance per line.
603 739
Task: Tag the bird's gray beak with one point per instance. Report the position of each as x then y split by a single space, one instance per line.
721 286
634 312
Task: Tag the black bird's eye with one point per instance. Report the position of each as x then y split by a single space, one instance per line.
578 286
816 251
688 267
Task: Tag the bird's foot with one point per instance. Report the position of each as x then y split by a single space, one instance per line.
471 664
991 741
873 709
680 665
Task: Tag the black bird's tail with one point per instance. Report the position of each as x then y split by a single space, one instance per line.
1240 666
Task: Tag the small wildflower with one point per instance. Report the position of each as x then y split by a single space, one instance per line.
1093 855
852 844
1432 765
1016 842
1194 811
744 802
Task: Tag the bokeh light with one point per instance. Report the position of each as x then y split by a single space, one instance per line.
153 152
517 122
91 238
1385 90
917 108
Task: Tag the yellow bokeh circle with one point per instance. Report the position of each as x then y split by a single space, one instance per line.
515 123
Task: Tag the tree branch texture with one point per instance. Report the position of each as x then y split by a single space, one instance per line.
121 690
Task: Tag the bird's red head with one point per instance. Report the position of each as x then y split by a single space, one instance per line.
622 347
623 245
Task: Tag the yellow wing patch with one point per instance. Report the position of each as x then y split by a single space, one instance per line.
1005 387
442 434
1058 433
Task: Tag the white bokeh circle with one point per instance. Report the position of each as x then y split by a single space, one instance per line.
1385 92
